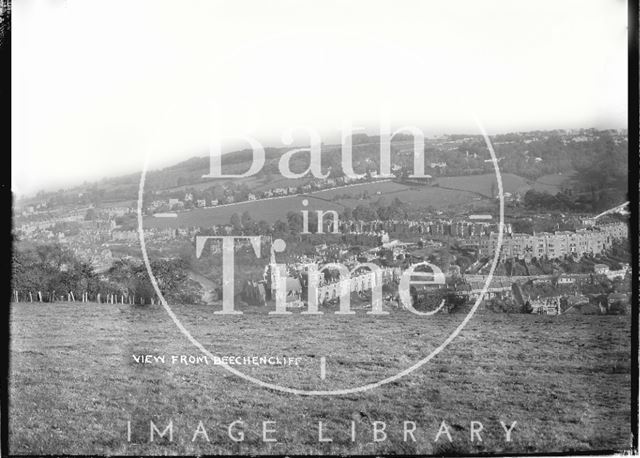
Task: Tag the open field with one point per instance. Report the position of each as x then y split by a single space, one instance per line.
552 183
459 192
455 191
484 184
270 210
74 383
275 209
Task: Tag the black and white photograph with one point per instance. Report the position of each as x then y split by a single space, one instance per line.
321 227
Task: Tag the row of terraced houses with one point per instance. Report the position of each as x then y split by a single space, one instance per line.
553 245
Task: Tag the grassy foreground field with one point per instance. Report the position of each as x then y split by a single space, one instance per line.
74 383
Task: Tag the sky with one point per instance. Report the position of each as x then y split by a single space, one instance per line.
99 83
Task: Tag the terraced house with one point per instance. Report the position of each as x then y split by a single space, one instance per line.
553 245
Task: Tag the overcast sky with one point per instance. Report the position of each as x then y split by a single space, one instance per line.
97 83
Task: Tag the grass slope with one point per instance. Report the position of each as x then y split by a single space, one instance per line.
482 184
74 384
273 209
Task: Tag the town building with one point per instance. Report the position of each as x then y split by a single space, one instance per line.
552 245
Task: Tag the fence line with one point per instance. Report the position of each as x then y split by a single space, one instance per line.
81 296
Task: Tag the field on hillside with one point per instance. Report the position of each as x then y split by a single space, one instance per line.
484 184
452 193
270 210
74 383
414 196
552 183
455 191
273 209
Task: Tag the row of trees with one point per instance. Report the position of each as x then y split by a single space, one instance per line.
596 199
53 269
49 267
378 211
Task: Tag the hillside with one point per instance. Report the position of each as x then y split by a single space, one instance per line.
460 192
486 185
595 160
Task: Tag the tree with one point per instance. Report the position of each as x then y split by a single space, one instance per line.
90 215
50 267
382 202
464 262
312 222
454 303
280 227
294 221
172 277
236 222
264 228
246 219
364 213
26 275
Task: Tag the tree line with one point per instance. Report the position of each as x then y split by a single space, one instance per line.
380 210
51 272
